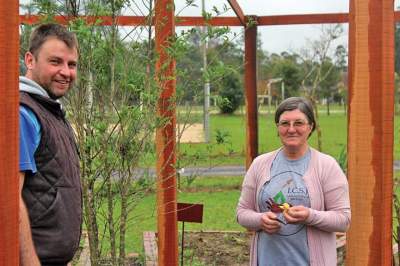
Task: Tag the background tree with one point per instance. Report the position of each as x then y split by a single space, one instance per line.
230 92
329 86
287 67
317 69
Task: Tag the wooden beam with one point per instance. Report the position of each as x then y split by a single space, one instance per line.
397 16
137 21
217 21
303 19
167 223
238 11
370 132
99 20
250 80
9 132
199 21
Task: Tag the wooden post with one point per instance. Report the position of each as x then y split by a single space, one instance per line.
9 102
370 132
165 136
250 78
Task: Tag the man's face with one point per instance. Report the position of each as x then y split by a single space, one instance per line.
54 67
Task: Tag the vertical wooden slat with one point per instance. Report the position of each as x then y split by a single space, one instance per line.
9 195
165 136
370 138
250 78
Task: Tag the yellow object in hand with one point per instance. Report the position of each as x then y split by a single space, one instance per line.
285 206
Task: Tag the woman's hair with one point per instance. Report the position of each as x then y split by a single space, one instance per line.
300 103
51 30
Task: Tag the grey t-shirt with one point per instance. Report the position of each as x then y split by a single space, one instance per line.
289 246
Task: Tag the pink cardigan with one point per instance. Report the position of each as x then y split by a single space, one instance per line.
329 197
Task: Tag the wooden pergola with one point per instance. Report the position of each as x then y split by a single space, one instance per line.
370 120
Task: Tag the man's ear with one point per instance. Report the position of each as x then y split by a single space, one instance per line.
29 60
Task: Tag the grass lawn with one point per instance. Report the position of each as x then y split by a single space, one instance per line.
232 152
219 195
232 128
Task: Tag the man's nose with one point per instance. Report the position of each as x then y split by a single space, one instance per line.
65 71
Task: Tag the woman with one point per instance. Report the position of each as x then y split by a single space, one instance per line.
294 198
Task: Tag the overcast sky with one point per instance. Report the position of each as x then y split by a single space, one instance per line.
275 39
293 38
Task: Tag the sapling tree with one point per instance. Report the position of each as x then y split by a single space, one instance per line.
112 110
319 68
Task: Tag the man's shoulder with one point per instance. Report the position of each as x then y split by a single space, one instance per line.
28 118
27 112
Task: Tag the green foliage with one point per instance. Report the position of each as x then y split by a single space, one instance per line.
397 48
219 196
223 57
287 67
230 93
329 85
222 136
233 153
342 159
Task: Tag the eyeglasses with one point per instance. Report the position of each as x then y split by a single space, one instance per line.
296 124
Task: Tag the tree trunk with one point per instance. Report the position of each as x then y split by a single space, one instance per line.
91 223
110 220
319 131
398 245
122 230
327 106
110 197
317 127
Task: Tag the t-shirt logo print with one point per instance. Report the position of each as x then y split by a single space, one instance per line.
280 198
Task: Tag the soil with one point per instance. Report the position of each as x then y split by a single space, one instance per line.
128 262
191 133
216 248
229 248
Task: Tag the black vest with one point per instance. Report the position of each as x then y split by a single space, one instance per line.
53 194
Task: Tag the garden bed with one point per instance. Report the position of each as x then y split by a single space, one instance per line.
222 248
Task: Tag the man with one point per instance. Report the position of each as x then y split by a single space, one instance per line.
51 203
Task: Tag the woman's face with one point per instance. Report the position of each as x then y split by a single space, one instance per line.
294 129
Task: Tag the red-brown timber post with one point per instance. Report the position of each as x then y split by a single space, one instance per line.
167 224
250 77
370 131
9 102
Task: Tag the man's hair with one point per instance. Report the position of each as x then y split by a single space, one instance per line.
51 30
300 103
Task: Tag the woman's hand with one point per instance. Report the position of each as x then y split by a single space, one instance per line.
297 214
269 223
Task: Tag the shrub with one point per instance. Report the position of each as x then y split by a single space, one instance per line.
230 93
